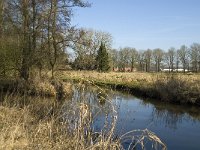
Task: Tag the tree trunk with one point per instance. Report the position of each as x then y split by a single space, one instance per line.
1 17
24 73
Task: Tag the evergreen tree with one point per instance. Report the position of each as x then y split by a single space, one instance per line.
102 59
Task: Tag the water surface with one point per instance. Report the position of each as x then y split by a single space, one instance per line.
177 126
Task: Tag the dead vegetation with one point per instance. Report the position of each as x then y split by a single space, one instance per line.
176 88
40 123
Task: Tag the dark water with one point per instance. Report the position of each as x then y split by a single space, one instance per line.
177 126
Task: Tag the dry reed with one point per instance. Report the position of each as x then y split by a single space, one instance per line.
40 123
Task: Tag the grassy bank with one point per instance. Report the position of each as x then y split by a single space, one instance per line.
41 123
176 88
41 114
45 123
36 86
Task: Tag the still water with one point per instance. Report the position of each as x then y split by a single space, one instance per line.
177 126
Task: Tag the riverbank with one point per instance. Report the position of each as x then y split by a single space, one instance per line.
36 86
39 123
38 114
36 122
175 88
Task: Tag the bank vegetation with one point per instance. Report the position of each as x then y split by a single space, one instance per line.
171 87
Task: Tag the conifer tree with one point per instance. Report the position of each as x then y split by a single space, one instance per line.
102 59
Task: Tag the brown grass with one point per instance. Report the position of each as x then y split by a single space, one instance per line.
40 123
177 87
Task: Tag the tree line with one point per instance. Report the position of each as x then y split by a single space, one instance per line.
186 58
130 59
37 34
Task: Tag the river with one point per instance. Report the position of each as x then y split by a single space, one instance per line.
177 126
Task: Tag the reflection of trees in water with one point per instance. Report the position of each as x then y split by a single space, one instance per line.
99 103
172 115
97 99
170 119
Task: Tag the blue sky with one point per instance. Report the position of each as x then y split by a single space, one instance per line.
143 23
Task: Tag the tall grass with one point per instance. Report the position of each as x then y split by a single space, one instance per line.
178 88
46 123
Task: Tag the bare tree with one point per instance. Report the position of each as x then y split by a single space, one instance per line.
170 58
171 53
158 56
115 58
124 58
195 56
141 61
148 58
2 4
183 56
133 54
